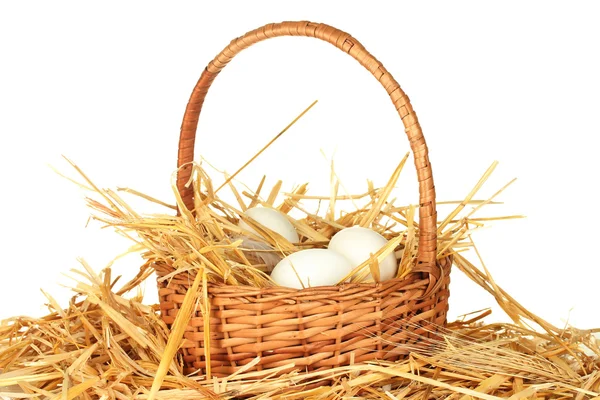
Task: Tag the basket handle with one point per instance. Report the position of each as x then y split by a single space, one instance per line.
427 250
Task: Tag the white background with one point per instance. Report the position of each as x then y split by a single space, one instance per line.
106 86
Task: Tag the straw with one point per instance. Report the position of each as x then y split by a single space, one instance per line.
105 346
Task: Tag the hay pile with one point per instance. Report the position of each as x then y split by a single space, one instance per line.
107 344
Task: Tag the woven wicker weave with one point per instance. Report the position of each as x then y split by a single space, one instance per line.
319 327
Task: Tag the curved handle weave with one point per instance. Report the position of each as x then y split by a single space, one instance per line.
427 211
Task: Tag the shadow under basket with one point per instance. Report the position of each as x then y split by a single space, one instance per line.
321 327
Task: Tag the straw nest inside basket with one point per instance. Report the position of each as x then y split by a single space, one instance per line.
210 241
107 344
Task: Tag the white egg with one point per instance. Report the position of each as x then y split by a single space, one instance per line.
358 243
272 219
314 267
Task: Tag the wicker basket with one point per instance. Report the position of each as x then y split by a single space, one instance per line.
320 327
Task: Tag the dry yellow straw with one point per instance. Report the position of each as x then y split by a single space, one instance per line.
107 346
267 145
181 320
